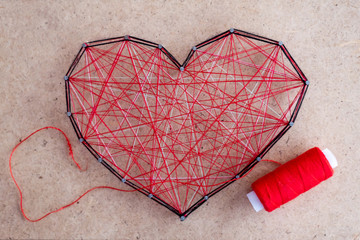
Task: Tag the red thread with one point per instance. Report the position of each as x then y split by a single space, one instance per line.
72 156
180 134
77 164
292 179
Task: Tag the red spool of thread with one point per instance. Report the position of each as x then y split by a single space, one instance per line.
292 179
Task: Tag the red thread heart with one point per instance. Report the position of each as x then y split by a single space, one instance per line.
182 132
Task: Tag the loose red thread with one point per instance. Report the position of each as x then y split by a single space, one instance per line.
292 179
77 164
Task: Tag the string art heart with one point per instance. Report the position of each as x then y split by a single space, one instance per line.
180 133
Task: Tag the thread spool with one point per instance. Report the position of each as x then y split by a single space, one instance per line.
292 179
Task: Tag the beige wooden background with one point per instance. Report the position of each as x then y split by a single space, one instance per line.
38 40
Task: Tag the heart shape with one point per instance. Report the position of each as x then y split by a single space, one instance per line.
180 133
